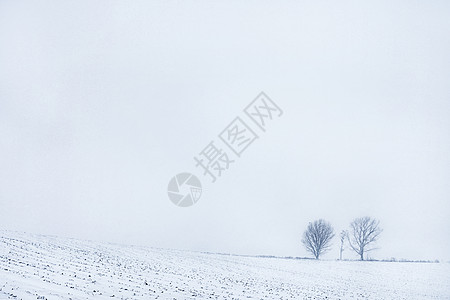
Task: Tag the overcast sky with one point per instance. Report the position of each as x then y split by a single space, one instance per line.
103 102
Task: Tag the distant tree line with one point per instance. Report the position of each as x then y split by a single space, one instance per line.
361 237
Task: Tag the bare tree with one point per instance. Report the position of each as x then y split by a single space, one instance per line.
342 237
317 237
364 232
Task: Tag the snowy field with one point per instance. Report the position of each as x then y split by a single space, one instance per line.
43 267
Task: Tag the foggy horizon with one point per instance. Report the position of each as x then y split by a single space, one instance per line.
101 105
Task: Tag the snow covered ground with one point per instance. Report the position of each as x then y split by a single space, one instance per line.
45 267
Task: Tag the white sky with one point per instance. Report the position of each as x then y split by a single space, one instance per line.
102 102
